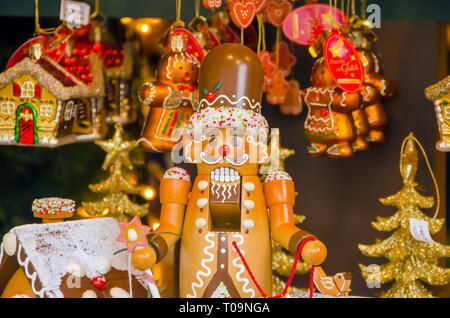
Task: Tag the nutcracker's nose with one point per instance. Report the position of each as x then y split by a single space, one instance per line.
224 150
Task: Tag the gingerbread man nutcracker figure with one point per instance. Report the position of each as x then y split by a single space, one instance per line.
329 125
227 205
171 98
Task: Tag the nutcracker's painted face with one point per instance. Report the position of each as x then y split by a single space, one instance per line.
321 76
227 147
178 68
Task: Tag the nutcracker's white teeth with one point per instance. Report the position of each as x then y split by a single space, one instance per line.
225 174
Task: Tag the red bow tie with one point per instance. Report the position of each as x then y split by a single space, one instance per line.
183 87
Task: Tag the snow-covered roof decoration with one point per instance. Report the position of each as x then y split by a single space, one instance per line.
46 251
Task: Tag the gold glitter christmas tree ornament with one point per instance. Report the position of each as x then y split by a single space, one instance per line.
116 187
412 259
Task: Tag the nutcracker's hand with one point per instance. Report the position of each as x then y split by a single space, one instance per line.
314 253
143 258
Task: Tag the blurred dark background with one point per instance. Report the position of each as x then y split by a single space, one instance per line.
339 197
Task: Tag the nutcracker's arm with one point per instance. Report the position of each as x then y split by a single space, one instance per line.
154 93
174 192
280 198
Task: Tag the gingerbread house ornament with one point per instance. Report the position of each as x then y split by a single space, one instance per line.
117 63
45 104
76 259
224 210
439 94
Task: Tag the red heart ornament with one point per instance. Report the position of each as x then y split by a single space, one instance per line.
276 12
242 13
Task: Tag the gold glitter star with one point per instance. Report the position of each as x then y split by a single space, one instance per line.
336 51
117 149
328 19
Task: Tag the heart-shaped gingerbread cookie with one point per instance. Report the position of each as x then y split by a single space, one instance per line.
242 13
276 12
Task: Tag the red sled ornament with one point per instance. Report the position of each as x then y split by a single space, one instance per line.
344 63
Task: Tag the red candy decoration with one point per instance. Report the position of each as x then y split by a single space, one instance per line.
99 282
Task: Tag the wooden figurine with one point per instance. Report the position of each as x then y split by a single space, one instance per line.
227 203
171 98
439 94
329 125
46 104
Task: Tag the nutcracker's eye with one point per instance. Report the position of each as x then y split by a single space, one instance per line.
212 141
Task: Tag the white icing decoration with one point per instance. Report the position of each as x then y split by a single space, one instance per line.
81 241
311 120
383 91
277 175
200 222
226 117
89 294
202 202
248 224
132 235
177 173
20 296
202 185
9 243
206 270
241 268
249 204
103 265
224 98
117 292
75 269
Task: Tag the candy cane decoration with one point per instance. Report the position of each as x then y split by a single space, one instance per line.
151 284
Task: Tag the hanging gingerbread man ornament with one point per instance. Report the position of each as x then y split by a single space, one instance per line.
329 124
223 214
362 38
171 97
387 89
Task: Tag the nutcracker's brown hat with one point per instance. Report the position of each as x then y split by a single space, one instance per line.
230 90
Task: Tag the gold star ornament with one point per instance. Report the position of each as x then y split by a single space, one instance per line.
117 149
